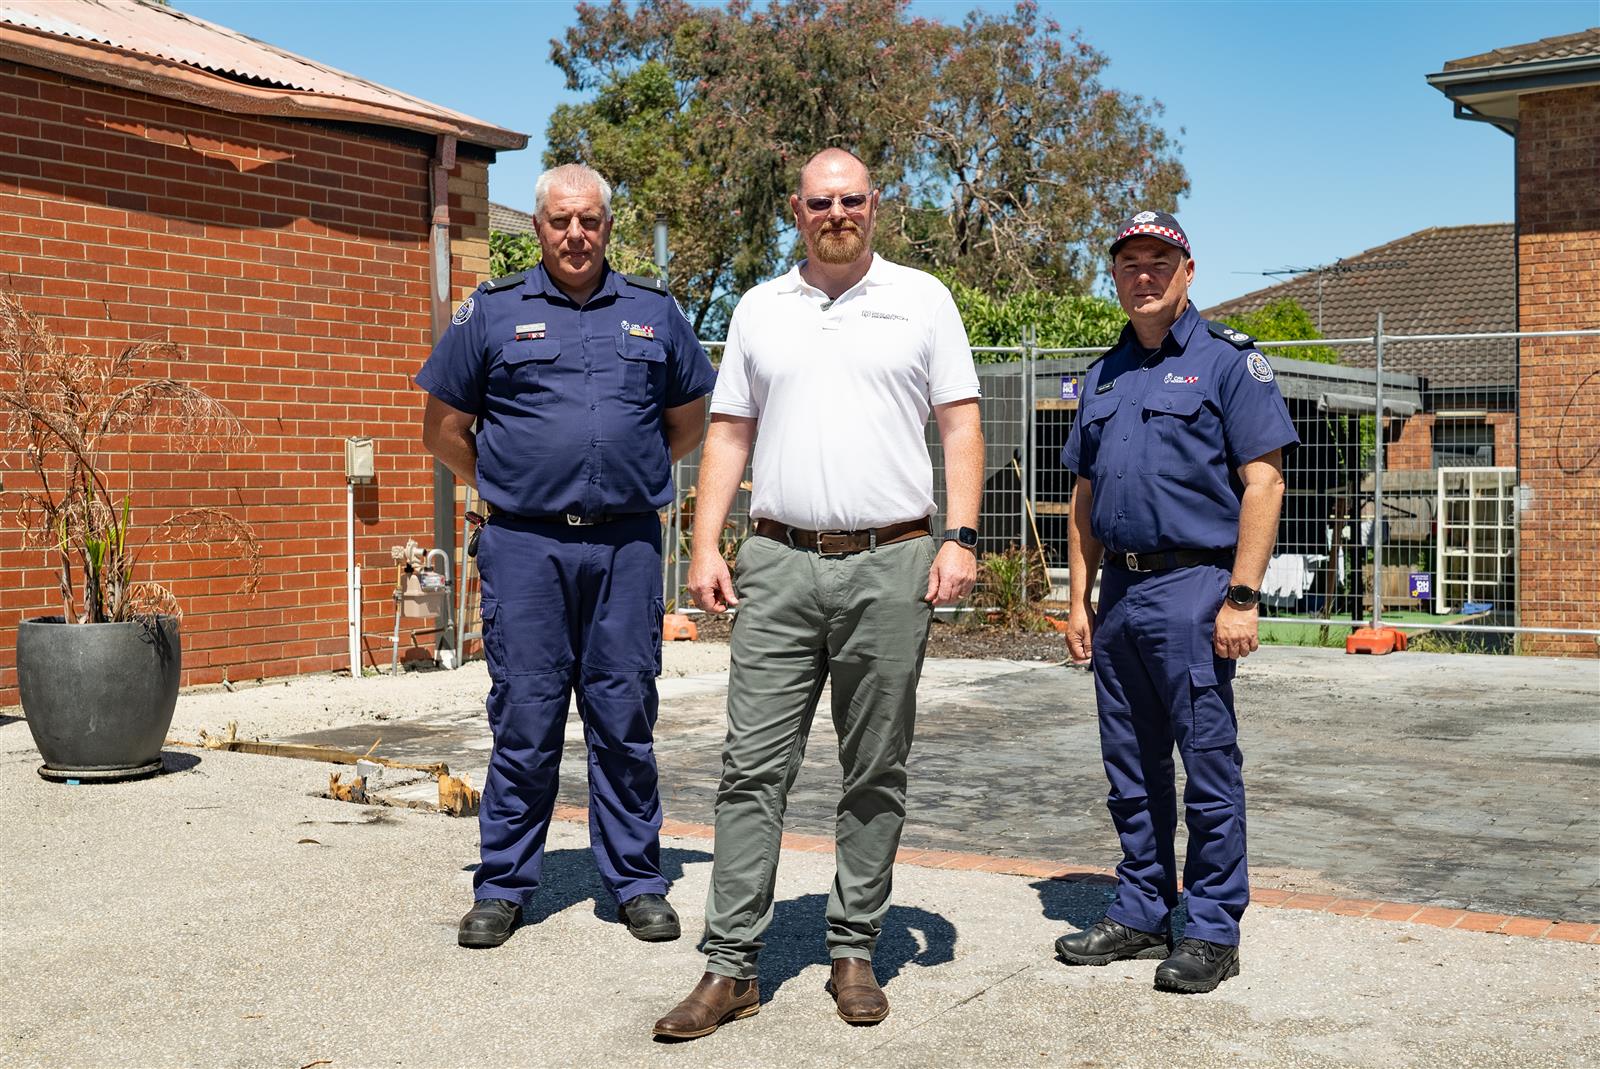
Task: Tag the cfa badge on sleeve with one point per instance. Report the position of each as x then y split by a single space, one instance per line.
1260 370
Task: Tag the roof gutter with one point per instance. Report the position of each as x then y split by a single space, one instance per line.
1472 86
167 78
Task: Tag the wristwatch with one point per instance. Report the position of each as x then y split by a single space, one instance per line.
965 537
1243 597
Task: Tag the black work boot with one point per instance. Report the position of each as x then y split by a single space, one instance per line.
1197 966
488 923
1109 941
650 918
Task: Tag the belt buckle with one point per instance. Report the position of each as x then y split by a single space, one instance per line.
822 542
1132 562
574 520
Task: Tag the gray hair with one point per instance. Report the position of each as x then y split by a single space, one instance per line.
570 176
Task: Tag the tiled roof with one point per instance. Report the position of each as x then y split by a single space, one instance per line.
161 50
509 220
1443 280
1567 46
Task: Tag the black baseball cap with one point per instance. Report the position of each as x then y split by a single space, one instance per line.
1147 224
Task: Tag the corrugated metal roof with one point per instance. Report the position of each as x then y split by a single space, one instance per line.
160 32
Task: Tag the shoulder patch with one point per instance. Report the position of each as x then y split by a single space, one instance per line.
464 312
504 283
1236 338
1260 370
646 282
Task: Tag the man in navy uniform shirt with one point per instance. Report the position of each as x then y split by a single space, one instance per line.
1178 448
585 384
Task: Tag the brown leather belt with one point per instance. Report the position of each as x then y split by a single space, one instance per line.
831 543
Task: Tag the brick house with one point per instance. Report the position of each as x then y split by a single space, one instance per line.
1443 280
302 234
1546 95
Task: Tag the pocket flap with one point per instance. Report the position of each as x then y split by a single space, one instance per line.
1177 402
487 609
643 349
537 350
1098 408
1203 675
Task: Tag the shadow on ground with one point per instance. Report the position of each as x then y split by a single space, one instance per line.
796 940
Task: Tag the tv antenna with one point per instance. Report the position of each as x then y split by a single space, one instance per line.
1338 267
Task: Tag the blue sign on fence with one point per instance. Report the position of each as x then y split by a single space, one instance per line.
1422 585
1069 387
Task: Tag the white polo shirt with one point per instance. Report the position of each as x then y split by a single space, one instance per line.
841 394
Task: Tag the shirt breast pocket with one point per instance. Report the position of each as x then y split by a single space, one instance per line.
525 370
644 369
1094 416
1174 441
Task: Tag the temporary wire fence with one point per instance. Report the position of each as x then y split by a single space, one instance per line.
1422 503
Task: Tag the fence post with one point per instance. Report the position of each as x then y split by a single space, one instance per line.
1028 341
1377 484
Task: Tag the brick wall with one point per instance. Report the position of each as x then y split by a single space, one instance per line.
289 261
1558 217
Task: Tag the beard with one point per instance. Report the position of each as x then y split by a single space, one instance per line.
842 246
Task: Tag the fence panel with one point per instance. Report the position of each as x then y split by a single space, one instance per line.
1437 540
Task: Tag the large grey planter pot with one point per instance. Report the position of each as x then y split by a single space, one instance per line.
98 697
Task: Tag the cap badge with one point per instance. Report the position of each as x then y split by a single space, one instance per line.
1145 217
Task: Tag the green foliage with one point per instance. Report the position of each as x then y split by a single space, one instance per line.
1060 320
1285 320
510 253
1002 157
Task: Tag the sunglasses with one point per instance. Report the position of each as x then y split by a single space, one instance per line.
850 202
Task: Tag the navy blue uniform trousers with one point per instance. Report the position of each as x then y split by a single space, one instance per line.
563 608
1159 683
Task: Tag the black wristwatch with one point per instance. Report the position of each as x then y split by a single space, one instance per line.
965 537
1243 597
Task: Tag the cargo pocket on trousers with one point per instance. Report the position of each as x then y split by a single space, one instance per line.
493 652
658 612
1213 722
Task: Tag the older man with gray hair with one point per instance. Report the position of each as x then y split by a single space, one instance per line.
563 394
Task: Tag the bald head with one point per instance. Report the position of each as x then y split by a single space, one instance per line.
834 165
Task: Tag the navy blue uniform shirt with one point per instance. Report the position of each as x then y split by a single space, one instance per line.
570 399
1162 436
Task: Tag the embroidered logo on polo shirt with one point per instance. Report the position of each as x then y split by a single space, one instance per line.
870 314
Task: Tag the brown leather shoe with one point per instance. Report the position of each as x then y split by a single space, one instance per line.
856 992
714 1002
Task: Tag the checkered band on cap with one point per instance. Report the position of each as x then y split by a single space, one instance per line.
1155 229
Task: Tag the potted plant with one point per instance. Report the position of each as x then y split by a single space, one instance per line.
99 682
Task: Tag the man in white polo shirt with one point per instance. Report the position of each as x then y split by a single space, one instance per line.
829 376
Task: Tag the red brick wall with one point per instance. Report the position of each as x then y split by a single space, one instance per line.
1412 448
289 261
1558 224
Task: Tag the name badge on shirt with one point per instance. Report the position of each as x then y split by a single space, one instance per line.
639 330
530 331
1104 387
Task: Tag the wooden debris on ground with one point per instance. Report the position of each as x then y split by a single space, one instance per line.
456 796
354 791
231 743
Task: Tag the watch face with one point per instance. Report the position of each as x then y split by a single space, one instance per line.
967 536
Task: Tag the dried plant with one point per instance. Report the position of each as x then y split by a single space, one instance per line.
71 414
1010 584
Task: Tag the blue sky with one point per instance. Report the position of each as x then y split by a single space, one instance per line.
1307 129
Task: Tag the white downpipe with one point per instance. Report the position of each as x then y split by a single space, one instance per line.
353 577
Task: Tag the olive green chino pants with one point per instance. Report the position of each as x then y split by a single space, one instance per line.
805 619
